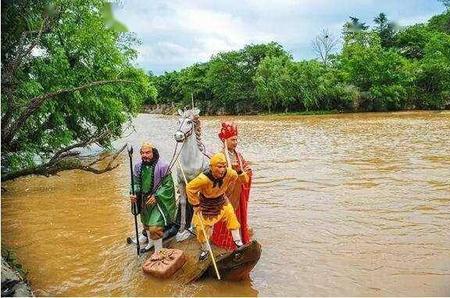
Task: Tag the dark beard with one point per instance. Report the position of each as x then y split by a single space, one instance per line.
152 161
148 162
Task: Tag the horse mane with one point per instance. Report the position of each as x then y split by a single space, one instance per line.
198 134
193 114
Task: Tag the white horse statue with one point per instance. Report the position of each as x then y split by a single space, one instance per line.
193 160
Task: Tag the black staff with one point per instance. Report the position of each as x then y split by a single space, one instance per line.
135 207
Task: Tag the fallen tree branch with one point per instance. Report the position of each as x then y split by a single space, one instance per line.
64 151
68 162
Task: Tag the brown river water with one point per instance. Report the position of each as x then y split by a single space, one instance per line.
343 205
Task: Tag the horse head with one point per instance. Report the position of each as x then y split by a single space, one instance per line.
186 124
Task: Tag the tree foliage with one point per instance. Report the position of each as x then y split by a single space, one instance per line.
386 30
383 68
68 81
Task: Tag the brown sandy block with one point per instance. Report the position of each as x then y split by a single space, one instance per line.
164 263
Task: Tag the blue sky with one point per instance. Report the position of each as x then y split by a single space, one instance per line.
176 34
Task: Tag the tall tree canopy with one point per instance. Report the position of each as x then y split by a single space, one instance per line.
377 69
68 81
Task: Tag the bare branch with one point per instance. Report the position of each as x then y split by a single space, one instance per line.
97 171
324 44
68 162
133 130
109 167
97 160
70 154
90 140
114 157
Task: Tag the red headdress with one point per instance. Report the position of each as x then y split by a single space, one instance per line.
228 130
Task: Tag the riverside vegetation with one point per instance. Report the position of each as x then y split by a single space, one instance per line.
383 68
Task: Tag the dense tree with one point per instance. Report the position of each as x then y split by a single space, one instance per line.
67 82
380 68
386 30
432 83
272 80
227 79
441 22
168 87
195 86
230 75
382 74
412 40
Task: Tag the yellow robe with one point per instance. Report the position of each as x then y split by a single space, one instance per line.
202 184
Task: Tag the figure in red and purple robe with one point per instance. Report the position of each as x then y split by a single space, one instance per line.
238 194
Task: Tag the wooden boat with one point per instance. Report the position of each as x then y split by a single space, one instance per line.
232 265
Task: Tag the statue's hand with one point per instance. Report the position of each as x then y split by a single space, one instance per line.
151 201
133 199
236 166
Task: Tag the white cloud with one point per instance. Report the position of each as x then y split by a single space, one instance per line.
178 33
211 45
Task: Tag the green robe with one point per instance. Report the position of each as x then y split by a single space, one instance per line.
162 213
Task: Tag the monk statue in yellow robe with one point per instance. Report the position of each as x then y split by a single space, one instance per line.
206 193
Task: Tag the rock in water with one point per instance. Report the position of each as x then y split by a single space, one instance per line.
12 284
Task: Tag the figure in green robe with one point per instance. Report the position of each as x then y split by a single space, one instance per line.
155 194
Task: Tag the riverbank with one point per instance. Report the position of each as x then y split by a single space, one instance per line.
14 281
172 109
166 109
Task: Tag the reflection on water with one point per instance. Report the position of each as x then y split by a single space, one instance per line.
353 204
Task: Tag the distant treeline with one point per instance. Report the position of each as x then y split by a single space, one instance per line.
383 68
